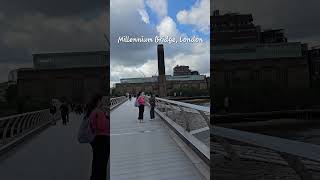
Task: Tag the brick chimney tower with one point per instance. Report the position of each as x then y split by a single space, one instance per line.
162 72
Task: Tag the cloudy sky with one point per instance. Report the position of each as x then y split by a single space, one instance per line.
149 18
299 18
36 26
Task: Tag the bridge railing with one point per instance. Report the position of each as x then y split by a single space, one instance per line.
114 102
187 120
305 114
15 126
302 157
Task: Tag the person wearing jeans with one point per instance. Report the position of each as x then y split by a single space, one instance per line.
141 106
152 102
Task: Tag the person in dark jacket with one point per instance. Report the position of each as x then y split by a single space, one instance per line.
53 111
64 113
152 102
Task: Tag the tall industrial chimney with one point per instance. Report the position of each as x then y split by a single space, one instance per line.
162 72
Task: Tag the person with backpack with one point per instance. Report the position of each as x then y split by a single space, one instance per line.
152 102
99 123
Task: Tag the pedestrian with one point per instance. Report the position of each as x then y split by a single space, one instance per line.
100 123
152 102
53 111
140 102
64 113
226 104
67 109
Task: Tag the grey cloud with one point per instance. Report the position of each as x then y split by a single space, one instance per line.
36 26
53 7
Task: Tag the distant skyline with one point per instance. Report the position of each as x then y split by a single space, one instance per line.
298 18
37 26
150 18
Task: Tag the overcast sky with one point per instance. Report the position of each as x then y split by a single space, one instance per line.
150 18
36 26
299 18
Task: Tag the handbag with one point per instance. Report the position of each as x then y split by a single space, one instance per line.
86 133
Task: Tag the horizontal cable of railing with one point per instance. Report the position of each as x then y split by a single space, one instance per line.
293 153
173 111
114 102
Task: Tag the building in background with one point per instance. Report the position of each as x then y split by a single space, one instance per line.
70 60
260 57
273 36
173 84
314 60
247 61
233 28
3 91
75 76
181 70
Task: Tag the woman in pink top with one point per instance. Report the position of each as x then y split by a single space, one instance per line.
100 124
140 100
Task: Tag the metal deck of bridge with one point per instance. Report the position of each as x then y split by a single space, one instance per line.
138 151
52 154
146 150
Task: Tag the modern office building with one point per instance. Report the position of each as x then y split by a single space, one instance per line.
233 28
248 61
181 70
75 76
266 56
173 83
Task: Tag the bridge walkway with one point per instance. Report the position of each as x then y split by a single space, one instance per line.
146 150
53 154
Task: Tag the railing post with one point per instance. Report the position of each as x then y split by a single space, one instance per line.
5 131
185 118
205 117
166 108
17 119
173 113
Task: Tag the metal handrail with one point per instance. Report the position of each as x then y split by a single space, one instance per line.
17 125
187 105
306 114
292 152
164 107
114 102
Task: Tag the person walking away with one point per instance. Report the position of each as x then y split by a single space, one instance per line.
130 97
141 106
100 123
226 104
53 111
68 111
136 104
64 112
152 102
